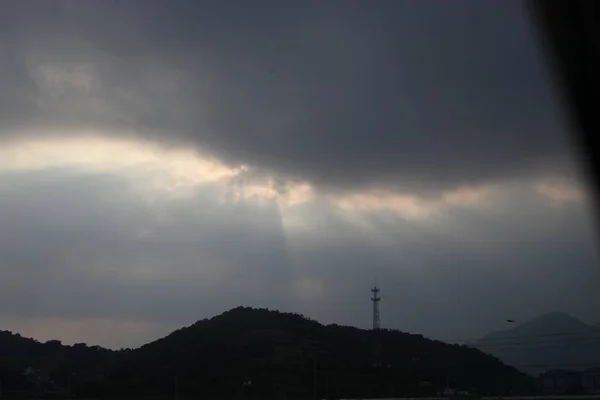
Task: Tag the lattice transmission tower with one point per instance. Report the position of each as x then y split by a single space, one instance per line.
375 299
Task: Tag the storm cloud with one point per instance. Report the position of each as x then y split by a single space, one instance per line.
412 94
164 161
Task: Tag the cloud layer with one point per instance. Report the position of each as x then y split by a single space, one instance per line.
162 162
417 94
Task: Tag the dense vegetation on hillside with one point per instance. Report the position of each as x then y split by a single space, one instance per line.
259 353
18 353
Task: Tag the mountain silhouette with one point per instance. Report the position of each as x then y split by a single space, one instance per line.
17 353
257 353
551 341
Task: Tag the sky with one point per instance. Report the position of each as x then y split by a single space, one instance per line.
163 162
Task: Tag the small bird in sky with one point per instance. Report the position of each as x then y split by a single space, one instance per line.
510 320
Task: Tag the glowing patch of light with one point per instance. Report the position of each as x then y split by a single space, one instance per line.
559 191
290 195
466 196
174 172
412 206
407 206
183 167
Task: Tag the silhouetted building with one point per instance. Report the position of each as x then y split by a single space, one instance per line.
590 381
41 380
561 382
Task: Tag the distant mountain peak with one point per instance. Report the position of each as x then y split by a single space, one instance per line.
547 324
557 315
560 322
552 340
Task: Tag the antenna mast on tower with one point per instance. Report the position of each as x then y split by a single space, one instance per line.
375 299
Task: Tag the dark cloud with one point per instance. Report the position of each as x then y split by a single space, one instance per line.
344 94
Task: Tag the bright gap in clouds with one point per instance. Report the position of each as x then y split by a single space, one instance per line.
178 172
173 171
93 153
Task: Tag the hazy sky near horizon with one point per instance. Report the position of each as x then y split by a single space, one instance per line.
164 161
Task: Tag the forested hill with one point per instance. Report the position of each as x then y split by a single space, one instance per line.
286 353
260 353
18 352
